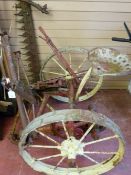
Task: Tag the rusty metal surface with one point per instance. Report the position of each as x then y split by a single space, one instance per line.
7 49
57 53
37 6
30 50
24 91
43 105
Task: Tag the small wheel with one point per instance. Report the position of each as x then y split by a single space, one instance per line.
55 156
78 61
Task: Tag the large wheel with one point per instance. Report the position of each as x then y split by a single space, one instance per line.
56 156
79 62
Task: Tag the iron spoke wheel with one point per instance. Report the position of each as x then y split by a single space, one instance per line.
71 156
80 64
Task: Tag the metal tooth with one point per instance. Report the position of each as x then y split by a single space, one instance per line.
17 52
21 28
18 5
22 35
20 21
25 41
29 64
26 34
27 59
27 47
20 13
29 53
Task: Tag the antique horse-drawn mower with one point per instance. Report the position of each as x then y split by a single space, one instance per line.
66 141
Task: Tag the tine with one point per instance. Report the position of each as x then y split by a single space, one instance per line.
28 53
25 48
21 28
18 5
19 13
25 34
26 40
26 58
20 20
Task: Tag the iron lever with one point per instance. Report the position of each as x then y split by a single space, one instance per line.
124 39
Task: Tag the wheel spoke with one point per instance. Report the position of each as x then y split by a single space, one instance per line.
26 113
83 82
66 132
50 107
33 111
43 146
81 65
92 160
49 157
92 81
46 136
101 140
61 160
96 152
87 132
59 65
55 73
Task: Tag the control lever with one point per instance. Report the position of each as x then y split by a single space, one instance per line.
124 39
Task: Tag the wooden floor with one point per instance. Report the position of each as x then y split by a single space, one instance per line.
116 104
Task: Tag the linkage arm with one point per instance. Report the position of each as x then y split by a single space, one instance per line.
57 52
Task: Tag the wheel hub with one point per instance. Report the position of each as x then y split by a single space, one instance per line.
71 147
